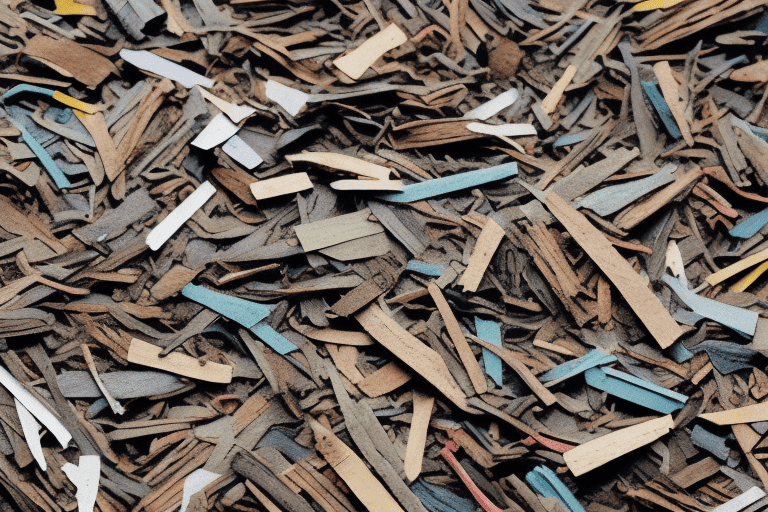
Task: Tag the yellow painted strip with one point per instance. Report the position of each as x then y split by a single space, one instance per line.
66 7
731 270
76 104
746 281
650 5
549 103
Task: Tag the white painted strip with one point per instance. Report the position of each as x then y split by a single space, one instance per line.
165 230
31 429
194 483
288 98
155 64
235 112
493 107
85 476
503 130
741 501
218 130
387 185
244 154
34 406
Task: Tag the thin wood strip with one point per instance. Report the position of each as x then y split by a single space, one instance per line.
141 352
486 245
417 437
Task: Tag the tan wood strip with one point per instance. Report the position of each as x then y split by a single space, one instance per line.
417 437
141 352
487 243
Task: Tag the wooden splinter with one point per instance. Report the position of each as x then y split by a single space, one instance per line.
417 438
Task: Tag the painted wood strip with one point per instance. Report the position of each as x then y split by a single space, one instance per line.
441 186
426 269
353 471
459 341
570 139
629 283
595 453
635 390
612 199
503 130
37 409
281 185
417 437
368 185
85 476
490 331
485 503
147 354
242 152
356 62
545 482
292 100
574 367
742 501
343 228
743 320
411 351
650 5
746 281
148 61
68 7
494 106
657 100
235 112
180 215
487 243
274 339
31 430
218 130
749 227
244 312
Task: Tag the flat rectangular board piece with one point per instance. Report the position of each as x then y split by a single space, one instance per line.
147 354
487 243
411 351
342 162
242 311
180 215
731 270
336 230
83 64
356 62
749 414
282 185
216 132
595 453
490 331
630 284
635 390
243 154
148 61
353 471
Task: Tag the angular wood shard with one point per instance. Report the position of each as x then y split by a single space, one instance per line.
287 184
356 62
632 287
489 239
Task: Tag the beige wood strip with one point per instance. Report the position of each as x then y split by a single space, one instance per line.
602 450
356 62
385 380
748 414
341 162
388 185
670 89
417 437
476 374
141 352
343 228
487 243
630 284
520 369
353 471
280 186
552 98
412 351
110 157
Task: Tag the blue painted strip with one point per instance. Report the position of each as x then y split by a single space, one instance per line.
56 173
635 390
739 319
750 226
662 108
566 370
490 331
242 311
26 88
425 268
714 444
679 352
440 186
273 338
571 139
546 483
